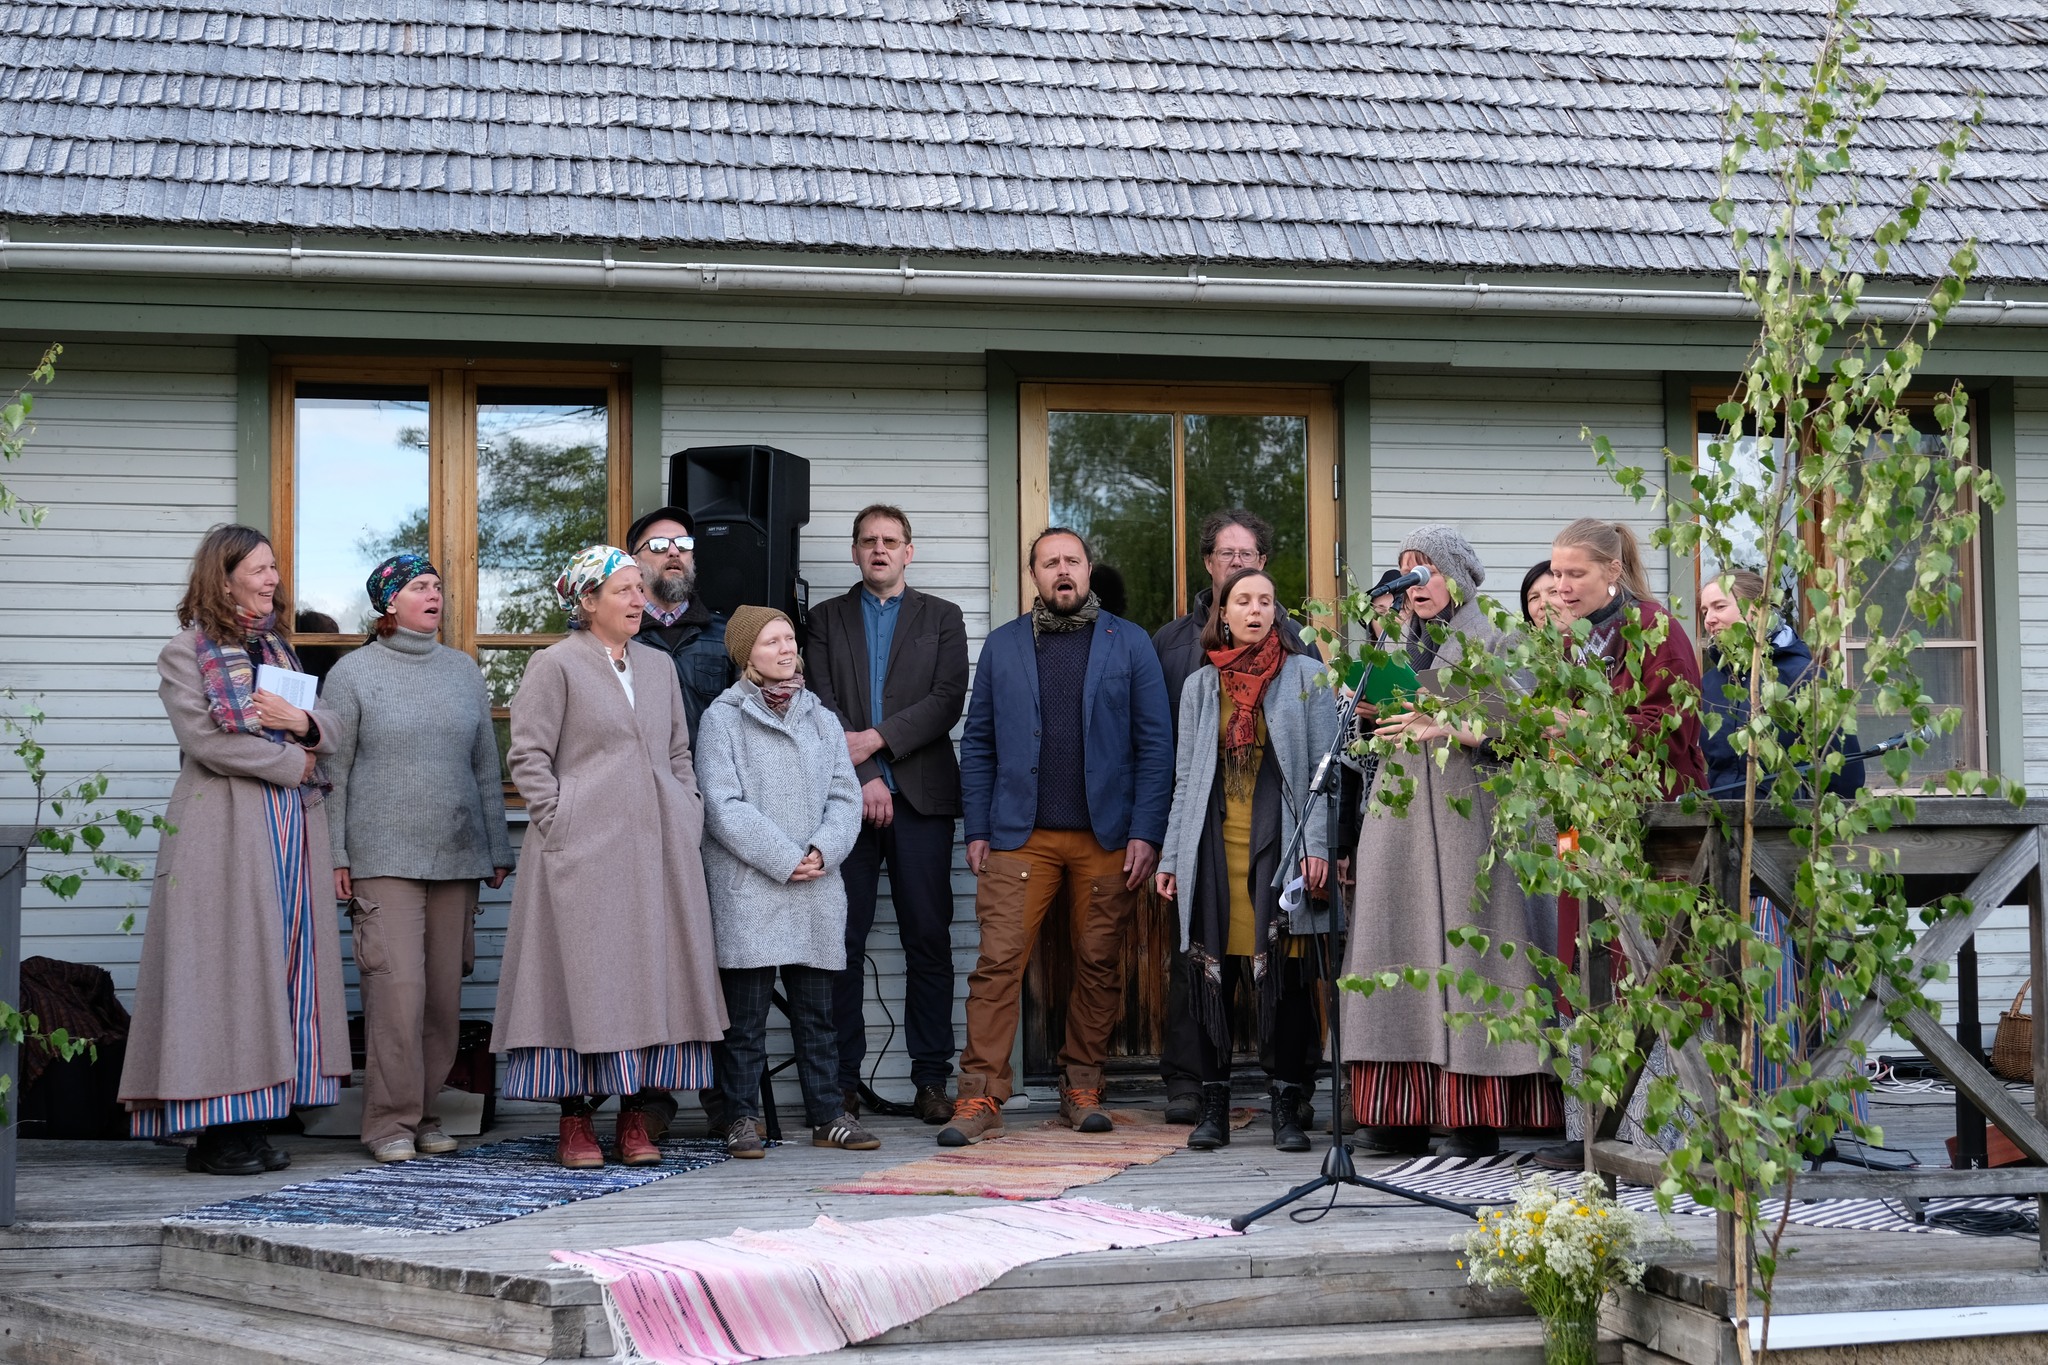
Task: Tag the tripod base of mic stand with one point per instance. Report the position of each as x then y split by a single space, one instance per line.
1338 1170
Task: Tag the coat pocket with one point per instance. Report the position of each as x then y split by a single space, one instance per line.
373 957
557 836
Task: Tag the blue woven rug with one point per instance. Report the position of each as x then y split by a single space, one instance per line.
467 1189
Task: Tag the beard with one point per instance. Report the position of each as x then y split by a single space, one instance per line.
674 587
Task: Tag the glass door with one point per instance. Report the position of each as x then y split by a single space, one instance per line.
1136 468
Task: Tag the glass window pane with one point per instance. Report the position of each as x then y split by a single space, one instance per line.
1950 678
1258 463
542 495
1110 477
503 668
360 492
1888 588
1755 467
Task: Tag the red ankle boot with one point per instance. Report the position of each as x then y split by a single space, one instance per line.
635 1147
577 1148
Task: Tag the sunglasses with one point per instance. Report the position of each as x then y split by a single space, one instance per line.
660 544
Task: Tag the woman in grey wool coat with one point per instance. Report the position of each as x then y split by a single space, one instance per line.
1253 722
781 812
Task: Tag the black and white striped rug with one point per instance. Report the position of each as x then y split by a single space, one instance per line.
1492 1180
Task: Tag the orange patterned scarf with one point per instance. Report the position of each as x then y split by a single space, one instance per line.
1246 670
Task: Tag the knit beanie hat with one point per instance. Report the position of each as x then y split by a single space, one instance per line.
744 627
1451 554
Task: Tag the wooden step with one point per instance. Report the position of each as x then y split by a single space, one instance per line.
159 1327
1499 1342
1229 1284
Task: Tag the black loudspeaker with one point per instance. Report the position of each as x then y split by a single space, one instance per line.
749 504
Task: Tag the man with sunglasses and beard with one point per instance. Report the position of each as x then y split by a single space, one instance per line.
677 622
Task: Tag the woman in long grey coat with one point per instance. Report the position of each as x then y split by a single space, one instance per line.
781 809
1417 876
1253 722
238 1006
608 985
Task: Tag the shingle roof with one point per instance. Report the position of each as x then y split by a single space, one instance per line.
1464 134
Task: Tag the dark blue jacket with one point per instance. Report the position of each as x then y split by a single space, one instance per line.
1793 662
1126 738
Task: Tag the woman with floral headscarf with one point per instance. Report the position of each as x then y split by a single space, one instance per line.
609 984
238 1004
417 817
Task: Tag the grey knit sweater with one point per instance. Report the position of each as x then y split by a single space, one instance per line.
417 790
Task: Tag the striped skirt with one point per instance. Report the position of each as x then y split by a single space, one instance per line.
556 1073
1425 1095
307 1088
1769 922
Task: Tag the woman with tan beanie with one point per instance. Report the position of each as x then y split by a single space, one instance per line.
781 812
608 986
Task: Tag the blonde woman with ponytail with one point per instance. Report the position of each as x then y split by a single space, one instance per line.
1600 579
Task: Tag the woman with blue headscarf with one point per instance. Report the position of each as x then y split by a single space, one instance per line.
416 820
610 981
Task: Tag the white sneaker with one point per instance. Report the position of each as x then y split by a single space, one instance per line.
433 1142
394 1149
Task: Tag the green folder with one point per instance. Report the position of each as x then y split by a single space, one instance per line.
1390 682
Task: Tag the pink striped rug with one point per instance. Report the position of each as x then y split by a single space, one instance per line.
758 1295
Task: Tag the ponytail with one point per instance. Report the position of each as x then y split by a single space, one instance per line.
1610 542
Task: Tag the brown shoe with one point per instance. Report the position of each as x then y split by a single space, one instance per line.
977 1115
931 1104
743 1139
1081 1101
635 1148
577 1148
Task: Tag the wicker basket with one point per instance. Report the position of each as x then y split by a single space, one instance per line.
2012 1047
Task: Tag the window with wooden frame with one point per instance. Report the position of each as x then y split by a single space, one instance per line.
1950 662
499 471
1136 467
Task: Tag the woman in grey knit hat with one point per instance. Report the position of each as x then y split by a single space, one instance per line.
1411 1071
416 818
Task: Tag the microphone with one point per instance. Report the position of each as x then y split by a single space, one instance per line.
1414 578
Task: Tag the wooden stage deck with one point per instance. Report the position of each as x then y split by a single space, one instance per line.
91 1274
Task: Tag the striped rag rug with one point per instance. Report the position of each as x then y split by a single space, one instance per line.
471 1188
758 1295
1493 1179
1038 1163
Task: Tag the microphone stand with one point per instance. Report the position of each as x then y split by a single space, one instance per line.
1338 1167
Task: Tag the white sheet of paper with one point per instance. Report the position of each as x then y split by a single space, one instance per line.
300 689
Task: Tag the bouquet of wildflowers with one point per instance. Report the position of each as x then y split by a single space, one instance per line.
1564 1249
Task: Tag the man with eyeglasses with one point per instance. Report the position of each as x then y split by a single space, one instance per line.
676 621
1231 539
891 662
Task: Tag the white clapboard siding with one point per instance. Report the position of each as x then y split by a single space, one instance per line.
1500 456
134 456
913 433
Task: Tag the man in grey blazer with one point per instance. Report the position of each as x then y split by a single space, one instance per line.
892 663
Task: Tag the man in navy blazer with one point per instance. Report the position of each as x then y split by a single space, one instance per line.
1066 776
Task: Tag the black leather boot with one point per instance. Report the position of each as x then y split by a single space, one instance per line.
1286 1106
1213 1130
224 1149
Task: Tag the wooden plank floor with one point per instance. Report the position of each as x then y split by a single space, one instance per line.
104 1199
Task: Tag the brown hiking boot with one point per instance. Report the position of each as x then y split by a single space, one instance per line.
1081 1101
977 1115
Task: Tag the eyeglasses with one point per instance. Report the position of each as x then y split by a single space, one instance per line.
660 544
889 543
1236 556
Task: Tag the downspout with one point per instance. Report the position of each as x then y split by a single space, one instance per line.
1191 290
